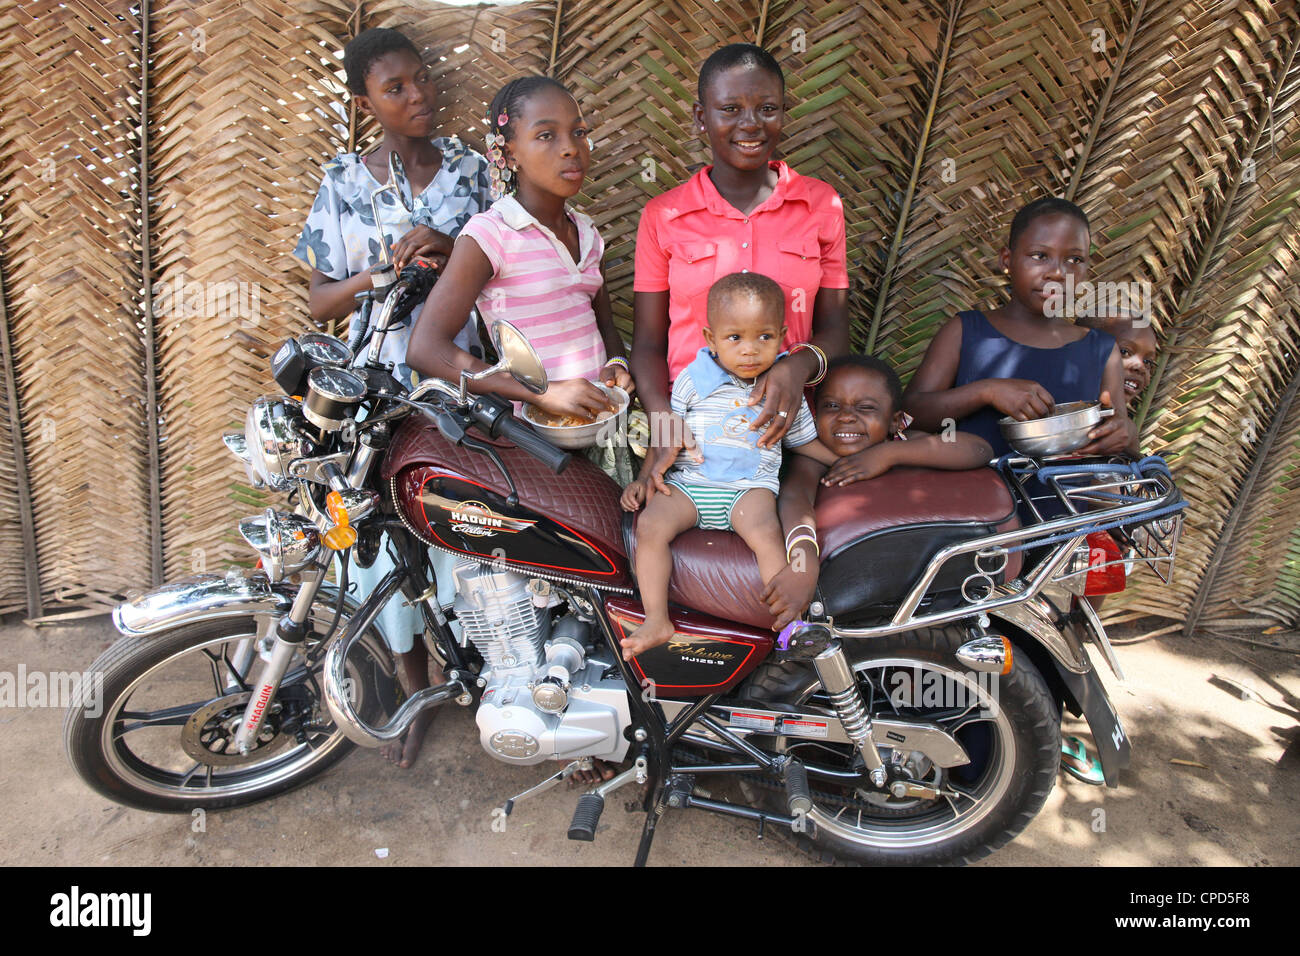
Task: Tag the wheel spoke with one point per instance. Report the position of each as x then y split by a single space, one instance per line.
957 724
952 791
883 693
214 664
225 656
957 791
966 711
166 717
185 780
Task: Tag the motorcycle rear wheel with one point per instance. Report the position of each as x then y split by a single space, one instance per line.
1014 750
128 741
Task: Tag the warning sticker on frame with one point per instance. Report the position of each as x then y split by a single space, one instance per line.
744 721
806 728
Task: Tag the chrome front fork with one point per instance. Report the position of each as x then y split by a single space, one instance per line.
841 685
289 635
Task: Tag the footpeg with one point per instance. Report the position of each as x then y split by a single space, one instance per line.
586 817
798 795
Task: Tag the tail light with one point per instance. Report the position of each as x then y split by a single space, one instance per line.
1105 565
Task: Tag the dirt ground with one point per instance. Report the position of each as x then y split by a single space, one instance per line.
1228 709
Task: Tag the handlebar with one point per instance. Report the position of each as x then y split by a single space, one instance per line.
497 418
493 415
553 458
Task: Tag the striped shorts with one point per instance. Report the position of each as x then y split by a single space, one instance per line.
712 504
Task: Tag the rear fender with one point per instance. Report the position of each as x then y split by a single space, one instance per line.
1075 679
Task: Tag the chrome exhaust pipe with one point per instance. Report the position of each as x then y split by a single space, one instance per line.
339 703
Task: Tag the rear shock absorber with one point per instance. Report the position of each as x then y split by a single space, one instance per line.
837 678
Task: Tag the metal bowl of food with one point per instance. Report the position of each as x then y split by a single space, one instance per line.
574 432
1064 431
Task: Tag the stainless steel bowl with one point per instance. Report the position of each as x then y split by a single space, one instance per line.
1064 431
577 437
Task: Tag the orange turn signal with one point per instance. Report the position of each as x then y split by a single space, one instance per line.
339 538
342 536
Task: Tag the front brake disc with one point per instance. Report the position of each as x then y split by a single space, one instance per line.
210 733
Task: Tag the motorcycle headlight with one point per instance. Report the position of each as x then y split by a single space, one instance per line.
274 438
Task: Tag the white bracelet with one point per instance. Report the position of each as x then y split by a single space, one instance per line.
811 530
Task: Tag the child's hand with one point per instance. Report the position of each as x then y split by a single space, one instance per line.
619 377
1112 437
633 496
860 466
573 396
669 439
422 241
1019 398
788 594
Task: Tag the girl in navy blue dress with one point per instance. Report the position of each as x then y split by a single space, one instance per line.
1023 358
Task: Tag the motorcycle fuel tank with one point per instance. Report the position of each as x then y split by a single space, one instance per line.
706 655
564 526
469 518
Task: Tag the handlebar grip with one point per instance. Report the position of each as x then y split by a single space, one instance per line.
553 458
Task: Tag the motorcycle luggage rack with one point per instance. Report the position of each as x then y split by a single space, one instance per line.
1145 492
1094 488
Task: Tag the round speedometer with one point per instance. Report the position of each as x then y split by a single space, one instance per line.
337 383
333 395
323 349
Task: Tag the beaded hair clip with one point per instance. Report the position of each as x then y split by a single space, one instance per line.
501 175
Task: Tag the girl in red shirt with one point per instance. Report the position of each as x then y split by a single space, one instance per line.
743 213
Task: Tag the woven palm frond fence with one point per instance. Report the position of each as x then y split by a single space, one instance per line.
138 322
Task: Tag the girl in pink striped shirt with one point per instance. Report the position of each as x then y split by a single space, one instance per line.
531 261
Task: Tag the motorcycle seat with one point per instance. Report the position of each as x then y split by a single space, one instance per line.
876 538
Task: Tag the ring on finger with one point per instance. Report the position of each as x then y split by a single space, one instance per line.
783 413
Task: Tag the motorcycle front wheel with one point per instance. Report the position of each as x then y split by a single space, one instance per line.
154 727
1008 725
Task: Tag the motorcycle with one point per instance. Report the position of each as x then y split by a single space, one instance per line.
912 716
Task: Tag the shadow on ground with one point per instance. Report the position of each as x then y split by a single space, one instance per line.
1229 713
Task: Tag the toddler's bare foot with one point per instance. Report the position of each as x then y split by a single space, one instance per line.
403 752
651 633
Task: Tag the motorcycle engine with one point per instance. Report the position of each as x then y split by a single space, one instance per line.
543 698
